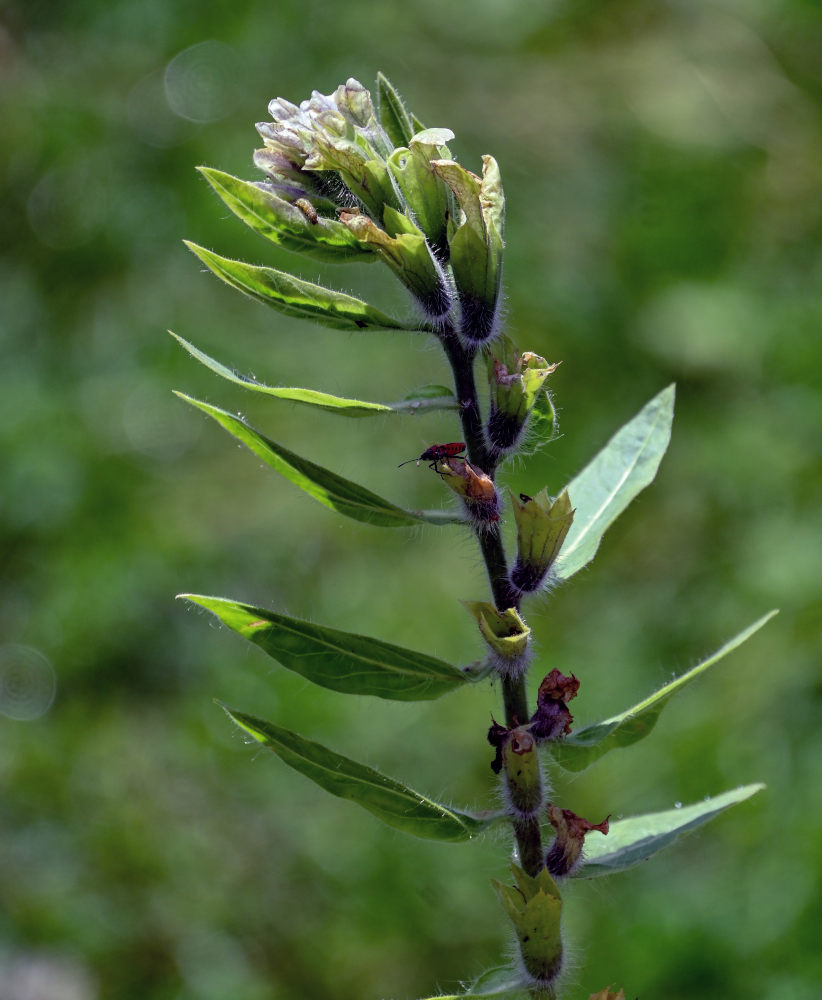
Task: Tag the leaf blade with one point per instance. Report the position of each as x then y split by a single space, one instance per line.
635 839
392 112
622 469
311 397
297 298
340 661
389 800
587 745
283 223
326 487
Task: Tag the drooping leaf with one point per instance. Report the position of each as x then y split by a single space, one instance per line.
636 838
582 748
389 800
605 487
342 661
327 487
393 115
295 297
283 223
311 397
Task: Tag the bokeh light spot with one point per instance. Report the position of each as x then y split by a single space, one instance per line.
28 682
202 82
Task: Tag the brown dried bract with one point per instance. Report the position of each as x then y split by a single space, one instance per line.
564 853
497 737
552 718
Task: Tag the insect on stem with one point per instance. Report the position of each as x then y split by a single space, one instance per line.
437 452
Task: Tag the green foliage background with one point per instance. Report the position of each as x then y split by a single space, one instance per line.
662 166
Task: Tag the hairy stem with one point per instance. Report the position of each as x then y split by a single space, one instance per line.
514 696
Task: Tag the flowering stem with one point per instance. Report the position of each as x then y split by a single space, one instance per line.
489 537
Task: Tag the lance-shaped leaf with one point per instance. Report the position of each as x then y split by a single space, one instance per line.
311 397
342 661
295 297
327 487
393 115
582 748
502 984
427 397
431 397
635 839
605 487
284 223
389 800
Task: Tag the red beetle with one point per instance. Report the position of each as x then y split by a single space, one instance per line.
436 452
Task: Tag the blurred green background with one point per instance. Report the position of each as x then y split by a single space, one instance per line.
662 165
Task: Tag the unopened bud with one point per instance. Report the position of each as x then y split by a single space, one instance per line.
506 634
565 853
516 381
516 753
403 248
425 193
475 243
542 525
534 907
479 495
552 719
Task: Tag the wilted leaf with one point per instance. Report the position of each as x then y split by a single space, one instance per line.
605 487
328 488
583 747
637 838
342 661
387 799
295 297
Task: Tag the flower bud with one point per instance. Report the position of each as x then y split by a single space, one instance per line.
475 241
479 495
425 194
518 760
534 907
552 718
542 525
565 853
506 634
516 382
403 248
334 136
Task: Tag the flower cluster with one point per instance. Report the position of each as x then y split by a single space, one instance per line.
396 187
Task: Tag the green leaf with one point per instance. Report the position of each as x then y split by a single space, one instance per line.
605 487
582 748
312 397
392 113
427 397
504 982
327 487
284 223
297 298
635 839
389 800
341 661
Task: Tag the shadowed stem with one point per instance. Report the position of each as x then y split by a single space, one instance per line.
514 696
